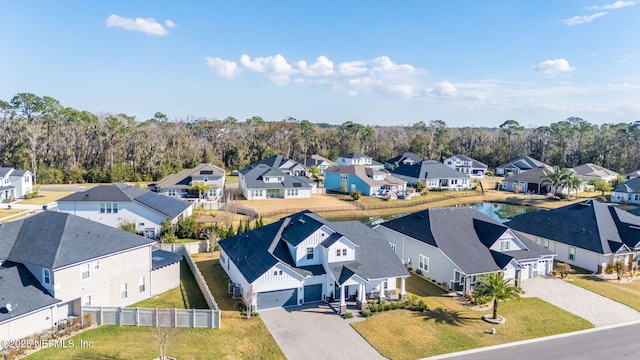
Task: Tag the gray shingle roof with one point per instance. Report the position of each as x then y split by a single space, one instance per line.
530 176
525 163
315 160
254 252
403 157
590 170
428 169
474 163
254 175
464 235
22 291
278 162
589 225
4 171
182 179
362 172
53 240
165 205
629 186
161 258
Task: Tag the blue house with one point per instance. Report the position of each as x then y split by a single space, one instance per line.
366 180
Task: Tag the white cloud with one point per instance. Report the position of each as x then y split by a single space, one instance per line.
577 20
148 26
322 67
224 68
444 89
616 5
554 67
352 68
169 24
274 68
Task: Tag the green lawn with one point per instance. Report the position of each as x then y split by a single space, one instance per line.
185 296
45 197
451 326
625 292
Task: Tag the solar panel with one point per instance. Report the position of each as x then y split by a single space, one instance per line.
297 184
206 172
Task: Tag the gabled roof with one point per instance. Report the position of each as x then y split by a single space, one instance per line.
22 291
54 239
362 172
590 170
161 258
19 173
589 225
4 171
315 160
355 155
120 192
530 176
278 162
525 163
632 174
254 178
403 157
464 235
629 186
257 251
182 179
474 163
428 169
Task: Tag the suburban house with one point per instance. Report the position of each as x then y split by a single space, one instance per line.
521 164
466 165
633 174
453 246
182 184
304 258
530 182
368 181
284 164
627 192
15 184
590 171
589 234
318 161
434 174
120 203
358 159
53 264
404 158
261 181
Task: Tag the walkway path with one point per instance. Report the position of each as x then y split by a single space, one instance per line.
597 309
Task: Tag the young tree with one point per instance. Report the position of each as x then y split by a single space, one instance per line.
200 188
494 287
564 270
619 268
601 185
129 226
187 228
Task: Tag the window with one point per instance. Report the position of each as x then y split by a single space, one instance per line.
85 270
109 208
504 245
423 263
393 247
46 276
124 290
96 265
572 253
171 192
309 253
142 284
86 300
344 176
275 272
279 272
344 252
545 243
337 252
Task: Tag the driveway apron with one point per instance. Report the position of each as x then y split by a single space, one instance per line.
597 309
316 332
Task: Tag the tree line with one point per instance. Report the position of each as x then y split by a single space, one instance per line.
65 145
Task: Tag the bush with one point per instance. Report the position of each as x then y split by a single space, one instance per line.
355 195
481 301
347 315
365 313
419 271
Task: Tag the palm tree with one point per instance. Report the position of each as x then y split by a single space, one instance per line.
200 187
495 287
557 177
574 183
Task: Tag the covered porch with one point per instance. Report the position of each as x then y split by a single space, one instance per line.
356 293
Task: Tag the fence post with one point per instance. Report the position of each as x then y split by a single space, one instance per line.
100 318
155 315
120 316
137 316
193 316
175 317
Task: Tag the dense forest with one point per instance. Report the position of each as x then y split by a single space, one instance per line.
61 144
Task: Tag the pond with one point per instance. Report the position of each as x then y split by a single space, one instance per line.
497 211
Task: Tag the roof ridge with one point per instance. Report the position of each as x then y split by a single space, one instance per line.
59 247
278 236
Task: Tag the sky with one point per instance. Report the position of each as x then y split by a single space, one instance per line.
468 63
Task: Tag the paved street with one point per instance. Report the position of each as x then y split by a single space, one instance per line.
597 309
316 332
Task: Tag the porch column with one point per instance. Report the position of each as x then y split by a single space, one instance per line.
362 295
382 295
403 292
343 303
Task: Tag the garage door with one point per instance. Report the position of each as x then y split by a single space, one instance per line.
312 293
279 298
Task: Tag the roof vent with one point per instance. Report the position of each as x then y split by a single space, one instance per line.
9 307
301 221
634 227
585 204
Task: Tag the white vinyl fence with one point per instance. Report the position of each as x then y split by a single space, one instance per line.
189 318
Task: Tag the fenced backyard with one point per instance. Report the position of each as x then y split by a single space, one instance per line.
189 318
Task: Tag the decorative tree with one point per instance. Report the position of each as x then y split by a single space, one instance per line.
564 270
494 287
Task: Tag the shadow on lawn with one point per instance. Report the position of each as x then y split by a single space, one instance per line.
443 316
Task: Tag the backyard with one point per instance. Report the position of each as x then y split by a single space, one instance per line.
450 326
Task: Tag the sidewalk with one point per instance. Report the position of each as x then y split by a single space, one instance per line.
597 309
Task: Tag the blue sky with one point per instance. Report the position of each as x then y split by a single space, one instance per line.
469 63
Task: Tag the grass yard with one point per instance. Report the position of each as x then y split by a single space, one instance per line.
625 292
45 197
185 296
451 326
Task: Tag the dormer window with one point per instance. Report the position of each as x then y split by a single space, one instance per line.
46 276
309 253
504 245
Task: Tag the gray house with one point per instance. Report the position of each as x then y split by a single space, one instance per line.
181 184
519 165
434 174
260 181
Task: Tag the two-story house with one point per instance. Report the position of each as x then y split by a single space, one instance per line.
15 184
304 258
368 181
404 158
52 264
318 161
182 184
119 203
261 181
520 165
356 158
434 174
284 164
466 165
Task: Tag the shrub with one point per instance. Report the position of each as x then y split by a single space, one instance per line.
355 195
347 315
365 313
481 301
419 271
554 272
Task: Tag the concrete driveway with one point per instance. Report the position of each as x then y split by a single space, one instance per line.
316 332
597 309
